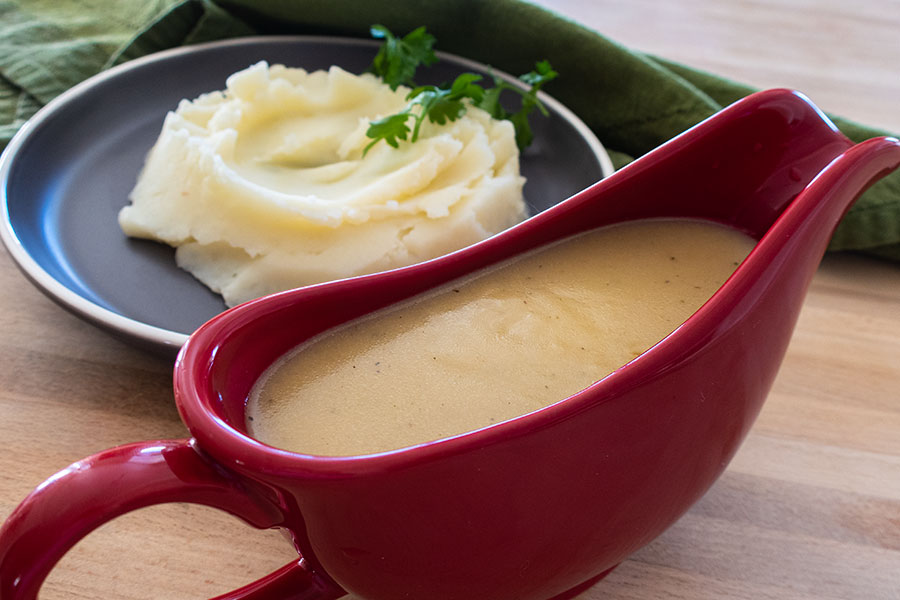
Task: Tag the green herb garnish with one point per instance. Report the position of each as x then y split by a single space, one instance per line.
396 63
398 58
541 74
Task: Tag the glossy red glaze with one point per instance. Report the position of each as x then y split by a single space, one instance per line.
535 506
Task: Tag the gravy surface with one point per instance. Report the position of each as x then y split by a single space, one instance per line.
505 342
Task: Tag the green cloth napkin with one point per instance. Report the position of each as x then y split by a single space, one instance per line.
632 101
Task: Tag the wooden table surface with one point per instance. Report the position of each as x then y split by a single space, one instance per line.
809 508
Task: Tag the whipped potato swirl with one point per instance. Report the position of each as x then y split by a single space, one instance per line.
263 186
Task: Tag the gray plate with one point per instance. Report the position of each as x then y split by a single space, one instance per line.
67 173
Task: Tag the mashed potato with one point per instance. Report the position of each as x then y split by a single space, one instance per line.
263 187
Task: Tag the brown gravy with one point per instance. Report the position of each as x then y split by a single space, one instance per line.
505 342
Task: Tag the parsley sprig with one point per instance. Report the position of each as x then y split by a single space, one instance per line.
398 58
396 63
536 79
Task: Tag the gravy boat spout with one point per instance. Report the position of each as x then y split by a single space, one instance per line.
534 506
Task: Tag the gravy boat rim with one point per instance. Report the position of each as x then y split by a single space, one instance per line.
231 445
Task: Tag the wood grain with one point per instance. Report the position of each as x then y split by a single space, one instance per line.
809 508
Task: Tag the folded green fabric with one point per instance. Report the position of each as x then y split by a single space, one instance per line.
632 101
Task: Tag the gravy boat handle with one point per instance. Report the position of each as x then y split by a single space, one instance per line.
88 493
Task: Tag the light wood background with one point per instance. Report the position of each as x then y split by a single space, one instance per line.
809 508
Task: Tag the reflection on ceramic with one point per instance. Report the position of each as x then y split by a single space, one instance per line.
534 507
65 176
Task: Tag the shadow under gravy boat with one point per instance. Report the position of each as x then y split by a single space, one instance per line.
536 507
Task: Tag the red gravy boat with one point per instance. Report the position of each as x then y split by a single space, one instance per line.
537 507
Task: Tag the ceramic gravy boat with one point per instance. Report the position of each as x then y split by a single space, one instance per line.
533 508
